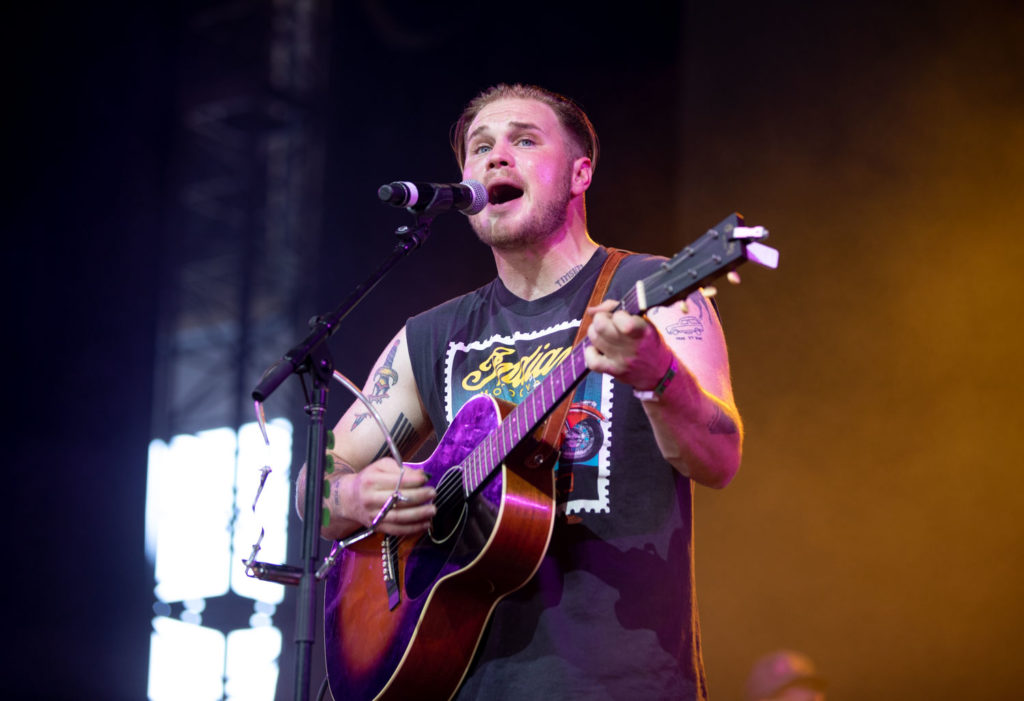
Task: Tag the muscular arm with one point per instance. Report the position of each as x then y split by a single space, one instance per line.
695 423
364 474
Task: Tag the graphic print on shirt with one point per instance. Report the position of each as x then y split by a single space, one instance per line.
509 368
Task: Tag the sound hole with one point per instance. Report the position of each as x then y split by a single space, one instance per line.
430 555
451 506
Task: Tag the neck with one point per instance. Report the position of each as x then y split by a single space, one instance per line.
540 269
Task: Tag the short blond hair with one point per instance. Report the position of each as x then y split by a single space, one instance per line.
570 115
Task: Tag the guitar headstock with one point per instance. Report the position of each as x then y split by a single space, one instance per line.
718 252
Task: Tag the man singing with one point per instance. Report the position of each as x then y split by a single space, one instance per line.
611 611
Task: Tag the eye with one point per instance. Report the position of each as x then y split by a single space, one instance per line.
525 141
478 145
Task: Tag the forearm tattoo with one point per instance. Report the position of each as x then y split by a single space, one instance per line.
721 423
332 487
402 433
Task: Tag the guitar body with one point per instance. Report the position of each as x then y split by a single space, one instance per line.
417 639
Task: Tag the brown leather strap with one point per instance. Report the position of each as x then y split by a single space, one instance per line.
551 431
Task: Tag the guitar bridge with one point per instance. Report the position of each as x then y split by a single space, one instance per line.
389 567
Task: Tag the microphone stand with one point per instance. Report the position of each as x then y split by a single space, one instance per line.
312 356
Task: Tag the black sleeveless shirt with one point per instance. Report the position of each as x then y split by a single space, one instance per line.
612 611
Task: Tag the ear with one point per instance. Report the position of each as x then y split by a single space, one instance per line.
582 173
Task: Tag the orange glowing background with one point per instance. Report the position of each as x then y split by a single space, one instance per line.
877 521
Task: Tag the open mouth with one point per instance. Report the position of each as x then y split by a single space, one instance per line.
500 194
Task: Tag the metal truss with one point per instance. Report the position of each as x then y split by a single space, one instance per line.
243 222
247 173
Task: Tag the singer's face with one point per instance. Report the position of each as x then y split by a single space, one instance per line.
518 149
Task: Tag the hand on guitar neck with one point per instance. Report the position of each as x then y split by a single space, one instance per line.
626 346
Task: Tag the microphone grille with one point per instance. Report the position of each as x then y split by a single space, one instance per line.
479 196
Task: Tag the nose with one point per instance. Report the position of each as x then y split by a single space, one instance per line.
499 157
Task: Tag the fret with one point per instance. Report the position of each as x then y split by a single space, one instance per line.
509 428
485 450
630 301
470 474
473 476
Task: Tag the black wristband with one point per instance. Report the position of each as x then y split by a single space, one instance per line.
654 395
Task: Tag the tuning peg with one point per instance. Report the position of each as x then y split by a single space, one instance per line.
733 277
762 255
750 232
709 291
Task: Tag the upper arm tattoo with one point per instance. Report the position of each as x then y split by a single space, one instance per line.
384 379
404 435
690 327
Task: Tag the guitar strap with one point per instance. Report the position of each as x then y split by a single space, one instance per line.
551 433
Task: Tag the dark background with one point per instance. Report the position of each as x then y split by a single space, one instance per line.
876 523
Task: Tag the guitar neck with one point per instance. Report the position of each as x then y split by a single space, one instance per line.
720 250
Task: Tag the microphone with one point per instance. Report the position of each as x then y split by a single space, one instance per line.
469 196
